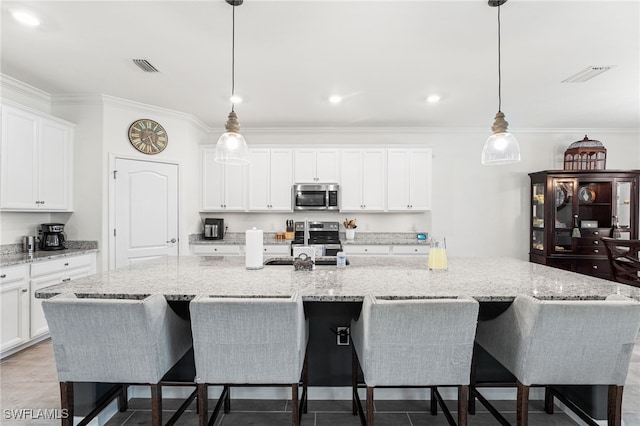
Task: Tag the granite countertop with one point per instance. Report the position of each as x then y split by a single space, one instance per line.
13 256
364 238
485 279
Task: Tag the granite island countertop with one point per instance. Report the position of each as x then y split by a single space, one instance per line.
485 279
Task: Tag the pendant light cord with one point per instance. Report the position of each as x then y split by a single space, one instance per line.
499 69
233 56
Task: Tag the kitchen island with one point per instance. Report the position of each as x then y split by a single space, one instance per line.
485 279
333 296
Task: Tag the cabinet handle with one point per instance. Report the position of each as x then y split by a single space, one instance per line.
66 280
596 242
596 233
415 249
595 266
24 290
3 276
66 264
215 249
366 249
596 251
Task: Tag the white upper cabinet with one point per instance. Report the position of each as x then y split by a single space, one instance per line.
409 179
37 162
363 179
270 174
316 165
223 187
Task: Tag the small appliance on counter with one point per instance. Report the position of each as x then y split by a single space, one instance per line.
28 244
213 229
324 237
52 237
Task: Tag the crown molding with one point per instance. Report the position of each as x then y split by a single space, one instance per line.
12 84
420 130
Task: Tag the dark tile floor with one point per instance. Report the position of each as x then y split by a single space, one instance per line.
28 380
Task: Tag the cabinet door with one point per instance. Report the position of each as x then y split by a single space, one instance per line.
55 165
420 179
234 188
327 165
212 182
398 179
19 160
304 166
259 185
409 179
351 180
373 179
14 306
280 179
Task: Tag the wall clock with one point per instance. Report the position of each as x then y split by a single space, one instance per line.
148 136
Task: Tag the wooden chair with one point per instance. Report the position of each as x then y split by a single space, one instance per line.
624 260
117 341
414 343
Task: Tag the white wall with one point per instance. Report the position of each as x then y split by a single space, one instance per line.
482 210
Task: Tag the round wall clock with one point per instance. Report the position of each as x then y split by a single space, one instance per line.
148 136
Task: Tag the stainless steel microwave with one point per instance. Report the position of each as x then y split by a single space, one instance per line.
315 196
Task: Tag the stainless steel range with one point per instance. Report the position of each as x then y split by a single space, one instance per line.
326 234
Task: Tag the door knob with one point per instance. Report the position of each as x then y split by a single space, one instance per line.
173 240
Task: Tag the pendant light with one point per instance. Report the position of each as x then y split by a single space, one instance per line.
231 148
501 147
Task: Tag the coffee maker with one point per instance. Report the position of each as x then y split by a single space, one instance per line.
213 229
52 237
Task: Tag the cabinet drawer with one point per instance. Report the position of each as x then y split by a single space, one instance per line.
217 249
594 250
596 267
595 232
366 249
589 242
410 250
283 249
62 264
10 274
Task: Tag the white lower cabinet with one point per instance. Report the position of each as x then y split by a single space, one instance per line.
277 249
410 250
217 249
22 316
366 250
14 304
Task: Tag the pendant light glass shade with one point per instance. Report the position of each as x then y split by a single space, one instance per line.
501 147
231 148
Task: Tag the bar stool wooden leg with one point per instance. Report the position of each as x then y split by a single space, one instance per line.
463 397
548 400
227 399
66 402
305 383
369 406
354 380
472 384
202 404
156 405
294 404
434 401
123 402
614 406
522 416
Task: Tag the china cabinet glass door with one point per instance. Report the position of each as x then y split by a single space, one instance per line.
537 217
622 213
563 194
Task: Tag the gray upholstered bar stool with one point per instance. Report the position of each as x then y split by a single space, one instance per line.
414 343
249 341
115 341
563 343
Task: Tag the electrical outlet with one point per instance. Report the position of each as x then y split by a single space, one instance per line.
343 336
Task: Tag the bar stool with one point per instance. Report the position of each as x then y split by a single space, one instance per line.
249 341
115 341
558 342
414 343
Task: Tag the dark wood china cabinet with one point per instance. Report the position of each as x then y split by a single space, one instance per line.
571 210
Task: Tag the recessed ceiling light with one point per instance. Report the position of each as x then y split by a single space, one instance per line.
335 99
432 99
235 99
25 18
587 73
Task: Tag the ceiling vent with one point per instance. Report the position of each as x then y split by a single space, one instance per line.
145 65
588 73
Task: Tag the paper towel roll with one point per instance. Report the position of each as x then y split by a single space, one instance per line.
253 249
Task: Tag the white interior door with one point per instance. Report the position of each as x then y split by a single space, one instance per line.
146 211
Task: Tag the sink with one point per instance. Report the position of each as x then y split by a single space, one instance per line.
325 260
